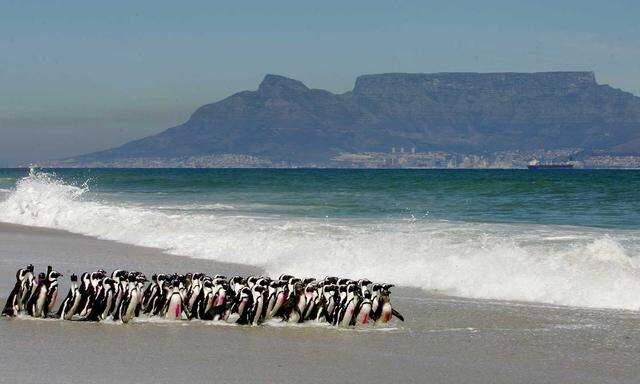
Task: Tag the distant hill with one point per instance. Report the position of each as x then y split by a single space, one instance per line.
283 120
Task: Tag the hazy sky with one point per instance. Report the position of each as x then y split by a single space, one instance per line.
77 76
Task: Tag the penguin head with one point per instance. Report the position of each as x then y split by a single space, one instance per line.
285 277
175 283
74 278
41 276
308 280
208 284
330 280
154 278
30 268
352 288
53 275
387 287
376 287
245 293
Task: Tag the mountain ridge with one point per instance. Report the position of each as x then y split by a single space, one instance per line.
284 120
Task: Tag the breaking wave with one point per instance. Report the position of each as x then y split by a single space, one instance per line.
540 263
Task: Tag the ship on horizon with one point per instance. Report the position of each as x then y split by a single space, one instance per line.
535 164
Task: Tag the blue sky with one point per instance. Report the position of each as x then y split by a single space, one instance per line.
78 76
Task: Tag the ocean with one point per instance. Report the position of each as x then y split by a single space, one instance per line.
569 237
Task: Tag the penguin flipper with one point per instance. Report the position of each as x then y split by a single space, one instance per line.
397 314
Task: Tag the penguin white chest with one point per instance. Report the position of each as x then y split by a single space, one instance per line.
175 307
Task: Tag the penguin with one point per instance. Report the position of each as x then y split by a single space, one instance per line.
108 298
194 290
203 303
26 285
328 304
310 295
175 303
276 297
220 299
130 299
35 306
154 293
70 304
348 309
45 295
120 278
385 311
163 294
20 290
375 299
88 290
101 307
364 309
148 293
52 291
296 301
243 305
254 315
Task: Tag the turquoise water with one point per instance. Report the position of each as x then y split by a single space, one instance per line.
597 198
566 237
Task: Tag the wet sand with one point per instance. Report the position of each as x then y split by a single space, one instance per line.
444 340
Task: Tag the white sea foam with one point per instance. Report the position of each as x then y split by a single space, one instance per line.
558 265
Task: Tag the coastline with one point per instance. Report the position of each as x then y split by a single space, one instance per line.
444 340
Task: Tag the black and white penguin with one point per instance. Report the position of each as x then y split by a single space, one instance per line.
328 302
149 292
363 312
39 295
119 276
348 308
52 291
275 298
89 290
243 305
203 302
194 290
22 288
175 303
70 304
254 315
384 310
153 293
131 298
42 301
292 308
103 302
310 301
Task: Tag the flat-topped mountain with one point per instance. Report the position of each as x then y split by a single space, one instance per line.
284 120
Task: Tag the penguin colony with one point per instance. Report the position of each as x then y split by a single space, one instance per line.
122 295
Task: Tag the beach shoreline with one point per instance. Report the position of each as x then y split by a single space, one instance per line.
444 340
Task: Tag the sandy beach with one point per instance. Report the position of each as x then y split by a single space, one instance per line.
444 340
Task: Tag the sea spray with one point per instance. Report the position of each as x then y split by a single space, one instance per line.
577 266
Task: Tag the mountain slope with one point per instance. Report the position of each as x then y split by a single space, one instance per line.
467 112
